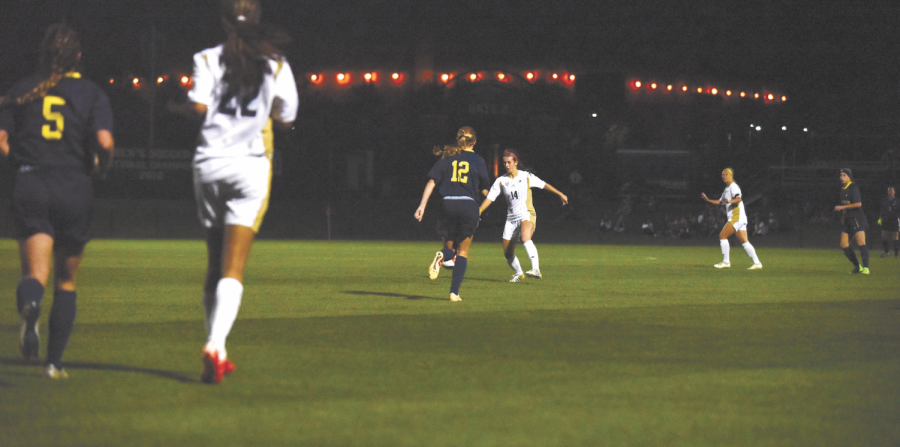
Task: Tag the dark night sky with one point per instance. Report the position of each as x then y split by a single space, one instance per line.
807 48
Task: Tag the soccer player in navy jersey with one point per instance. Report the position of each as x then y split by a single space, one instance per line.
889 219
56 129
853 222
460 175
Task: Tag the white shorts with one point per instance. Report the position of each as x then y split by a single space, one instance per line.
232 191
512 231
738 226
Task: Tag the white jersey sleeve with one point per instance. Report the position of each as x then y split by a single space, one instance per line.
495 190
232 128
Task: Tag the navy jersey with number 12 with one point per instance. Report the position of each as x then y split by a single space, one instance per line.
462 175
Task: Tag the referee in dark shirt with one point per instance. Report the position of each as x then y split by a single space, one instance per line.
56 130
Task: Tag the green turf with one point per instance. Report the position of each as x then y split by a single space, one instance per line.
350 343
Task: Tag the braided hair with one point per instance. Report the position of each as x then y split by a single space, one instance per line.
248 46
59 53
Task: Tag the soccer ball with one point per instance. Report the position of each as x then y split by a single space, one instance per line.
449 263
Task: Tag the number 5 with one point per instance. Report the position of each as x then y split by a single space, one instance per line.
56 118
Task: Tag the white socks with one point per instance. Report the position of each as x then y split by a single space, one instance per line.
514 263
726 249
751 252
223 313
533 254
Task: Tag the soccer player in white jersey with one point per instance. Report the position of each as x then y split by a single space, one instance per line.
238 86
521 218
737 221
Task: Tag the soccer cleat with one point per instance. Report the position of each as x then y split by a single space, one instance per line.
517 278
449 264
455 297
856 271
56 374
885 255
534 273
435 266
722 265
29 340
214 368
864 271
755 267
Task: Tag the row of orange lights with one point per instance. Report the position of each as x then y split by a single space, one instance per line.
397 78
709 90
184 80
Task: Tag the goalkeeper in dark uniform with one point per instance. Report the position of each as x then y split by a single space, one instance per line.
853 222
460 176
889 219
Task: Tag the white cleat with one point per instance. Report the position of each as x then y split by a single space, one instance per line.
435 266
455 297
517 278
722 265
534 273
755 267
450 264
56 374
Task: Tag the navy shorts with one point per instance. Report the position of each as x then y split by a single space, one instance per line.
854 223
58 202
458 220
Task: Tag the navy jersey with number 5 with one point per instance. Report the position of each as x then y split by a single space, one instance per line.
56 130
462 175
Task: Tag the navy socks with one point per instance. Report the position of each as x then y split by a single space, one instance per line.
448 254
459 272
62 319
864 254
30 291
848 252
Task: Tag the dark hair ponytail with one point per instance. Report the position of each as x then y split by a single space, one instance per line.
59 53
247 48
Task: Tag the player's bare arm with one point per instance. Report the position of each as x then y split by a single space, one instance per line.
565 200
484 205
847 207
4 143
420 211
104 156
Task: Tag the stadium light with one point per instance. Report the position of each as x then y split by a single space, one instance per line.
783 127
684 88
112 80
343 78
727 92
783 98
371 77
317 78
446 77
635 85
669 87
397 78
714 91
160 80
651 86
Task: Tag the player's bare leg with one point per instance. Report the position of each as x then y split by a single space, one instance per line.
236 243
35 254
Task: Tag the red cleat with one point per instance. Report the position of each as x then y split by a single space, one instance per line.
213 368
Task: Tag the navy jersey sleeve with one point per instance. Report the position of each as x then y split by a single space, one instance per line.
855 196
101 113
484 181
437 171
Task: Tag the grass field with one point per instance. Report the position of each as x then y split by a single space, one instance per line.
342 343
